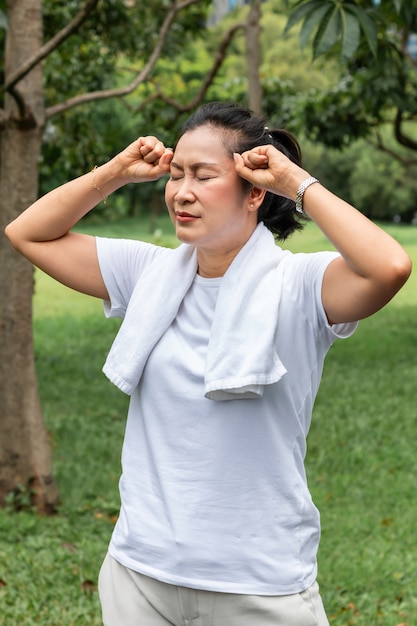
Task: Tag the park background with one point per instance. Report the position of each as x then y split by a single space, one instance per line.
361 449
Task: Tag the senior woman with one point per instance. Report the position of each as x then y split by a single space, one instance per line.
221 350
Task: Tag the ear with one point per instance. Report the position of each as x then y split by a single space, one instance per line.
255 198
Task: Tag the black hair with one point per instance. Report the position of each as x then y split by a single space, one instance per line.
243 130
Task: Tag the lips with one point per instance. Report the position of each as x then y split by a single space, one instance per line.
183 216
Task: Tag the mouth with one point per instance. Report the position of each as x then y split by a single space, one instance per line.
184 217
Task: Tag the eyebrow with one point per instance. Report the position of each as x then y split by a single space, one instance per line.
194 166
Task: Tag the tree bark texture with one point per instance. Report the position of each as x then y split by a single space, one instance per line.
253 56
25 461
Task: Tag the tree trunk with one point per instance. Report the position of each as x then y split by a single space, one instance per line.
25 463
253 56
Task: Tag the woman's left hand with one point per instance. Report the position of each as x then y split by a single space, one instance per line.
270 169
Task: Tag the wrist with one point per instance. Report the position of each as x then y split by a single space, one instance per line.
95 186
289 181
299 199
107 178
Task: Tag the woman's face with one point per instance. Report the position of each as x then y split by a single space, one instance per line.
205 196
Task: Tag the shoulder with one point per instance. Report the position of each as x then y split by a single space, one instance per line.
129 248
127 255
303 283
308 260
122 262
301 268
302 280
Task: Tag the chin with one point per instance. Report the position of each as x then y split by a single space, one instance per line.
183 236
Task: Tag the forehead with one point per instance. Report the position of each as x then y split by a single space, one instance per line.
205 143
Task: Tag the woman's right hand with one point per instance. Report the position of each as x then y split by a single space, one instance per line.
146 159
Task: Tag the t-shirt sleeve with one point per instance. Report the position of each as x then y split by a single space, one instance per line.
122 262
307 292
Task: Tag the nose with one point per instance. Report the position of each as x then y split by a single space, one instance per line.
184 191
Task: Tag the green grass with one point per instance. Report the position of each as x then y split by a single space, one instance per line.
362 461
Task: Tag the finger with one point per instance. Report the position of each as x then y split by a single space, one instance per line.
151 149
240 165
238 159
254 160
166 158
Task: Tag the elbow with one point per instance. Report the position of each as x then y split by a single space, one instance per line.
8 231
10 235
16 235
400 272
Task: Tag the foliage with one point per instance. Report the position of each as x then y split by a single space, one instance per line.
378 75
302 96
361 461
379 186
358 104
82 137
115 28
334 23
108 50
307 97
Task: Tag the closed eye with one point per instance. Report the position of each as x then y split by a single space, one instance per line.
202 171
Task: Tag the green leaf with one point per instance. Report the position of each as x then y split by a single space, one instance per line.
368 26
311 23
328 32
303 10
350 35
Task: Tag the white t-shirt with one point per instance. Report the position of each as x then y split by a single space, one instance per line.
214 494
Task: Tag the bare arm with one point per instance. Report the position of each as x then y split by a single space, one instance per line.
372 267
42 232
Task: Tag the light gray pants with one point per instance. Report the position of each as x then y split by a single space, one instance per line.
131 599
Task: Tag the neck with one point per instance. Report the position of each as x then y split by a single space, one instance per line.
213 264
212 267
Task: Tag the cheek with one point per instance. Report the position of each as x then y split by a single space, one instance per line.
169 197
169 203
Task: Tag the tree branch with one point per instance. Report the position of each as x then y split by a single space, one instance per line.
399 135
380 145
218 61
20 103
51 45
140 78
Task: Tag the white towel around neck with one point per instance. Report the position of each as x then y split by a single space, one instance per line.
242 356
